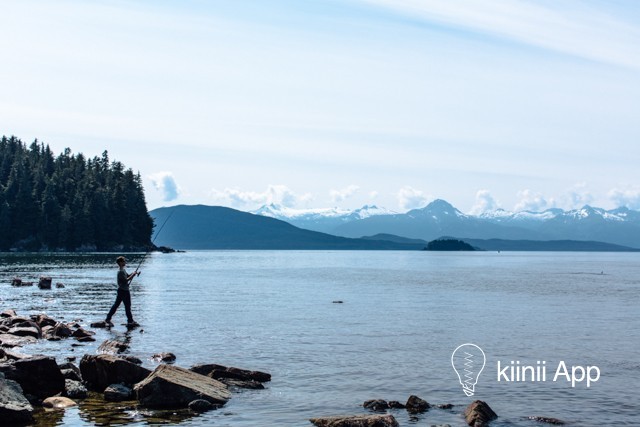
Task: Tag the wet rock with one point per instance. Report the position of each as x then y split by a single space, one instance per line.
175 387
38 376
101 324
117 393
394 404
112 347
376 405
132 359
14 406
445 406
70 371
164 357
59 285
75 389
43 320
252 385
547 420
100 371
58 402
86 339
479 414
201 405
8 313
82 333
416 405
219 372
10 341
8 355
356 421
44 282
26 331
60 330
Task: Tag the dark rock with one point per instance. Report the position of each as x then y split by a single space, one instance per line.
394 404
59 285
479 414
70 371
356 421
201 405
43 320
415 405
445 406
8 313
82 333
117 393
376 405
100 371
219 371
75 389
39 376
338 302
8 355
132 359
174 387
85 339
250 384
164 357
547 420
29 331
101 324
60 330
14 406
112 347
44 282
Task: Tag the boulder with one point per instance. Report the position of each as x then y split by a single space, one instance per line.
8 313
100 371
58 402
44 282
415 405
101 324
8 355
14 407
174 387
70 371
26 331
117 393
43 320
132 359
60 330
75 389
376 405
82 333
356 421
201 405
8 340
112 347
394 404
479 414
39 376
219 371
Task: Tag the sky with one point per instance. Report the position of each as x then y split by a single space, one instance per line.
512 104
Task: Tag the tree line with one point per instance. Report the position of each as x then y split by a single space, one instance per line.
68 202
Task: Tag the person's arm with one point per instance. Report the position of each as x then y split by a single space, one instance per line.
132 275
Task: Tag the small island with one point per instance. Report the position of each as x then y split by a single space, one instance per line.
448 245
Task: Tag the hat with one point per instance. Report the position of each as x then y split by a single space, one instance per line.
120 259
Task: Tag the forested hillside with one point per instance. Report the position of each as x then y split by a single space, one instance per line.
68 202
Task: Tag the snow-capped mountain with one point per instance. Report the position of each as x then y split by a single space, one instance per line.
323 219
439 218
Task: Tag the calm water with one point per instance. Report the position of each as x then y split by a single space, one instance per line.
403 315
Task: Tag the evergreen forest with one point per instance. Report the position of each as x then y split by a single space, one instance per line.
68 202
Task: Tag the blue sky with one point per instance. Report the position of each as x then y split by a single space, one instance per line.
512 104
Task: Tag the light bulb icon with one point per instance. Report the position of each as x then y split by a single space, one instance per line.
468 361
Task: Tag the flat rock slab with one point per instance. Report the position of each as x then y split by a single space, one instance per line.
174 387
356 421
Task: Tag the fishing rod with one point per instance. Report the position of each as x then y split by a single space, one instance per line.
152 241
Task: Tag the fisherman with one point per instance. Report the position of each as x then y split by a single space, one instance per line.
124 280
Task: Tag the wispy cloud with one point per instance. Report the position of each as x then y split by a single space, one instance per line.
343 194
274 194
571 27
484 203
578 196
165 182
532 201
411 198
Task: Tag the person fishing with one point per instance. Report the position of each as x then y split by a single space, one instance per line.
124 296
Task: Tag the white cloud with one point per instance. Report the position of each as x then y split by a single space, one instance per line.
165 183
345 193
274 194
578 196
484 203
410 198
629 197
373 195
532 201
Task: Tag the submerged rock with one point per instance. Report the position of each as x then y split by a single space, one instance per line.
219 372
547 420
117 393
356 421
376 405
201 405
164 357
479 414
174 387
75 389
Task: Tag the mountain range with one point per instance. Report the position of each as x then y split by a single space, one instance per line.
439 218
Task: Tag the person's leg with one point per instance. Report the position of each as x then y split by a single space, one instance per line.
114 307
126 298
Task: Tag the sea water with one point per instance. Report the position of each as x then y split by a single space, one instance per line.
337 328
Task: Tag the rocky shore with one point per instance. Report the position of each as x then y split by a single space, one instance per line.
28 382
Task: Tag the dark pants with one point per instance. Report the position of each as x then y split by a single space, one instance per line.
123 296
